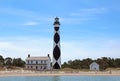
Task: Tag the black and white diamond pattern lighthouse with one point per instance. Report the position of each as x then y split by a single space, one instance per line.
56 47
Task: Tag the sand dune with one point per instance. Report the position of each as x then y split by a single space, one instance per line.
58 73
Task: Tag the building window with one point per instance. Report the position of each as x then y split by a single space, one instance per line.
27 62
27 66
44 61
41 62
36 62
31 66
31 62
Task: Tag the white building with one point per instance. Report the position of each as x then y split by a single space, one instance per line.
38 63
94 66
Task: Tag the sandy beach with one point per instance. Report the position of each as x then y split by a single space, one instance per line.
58 73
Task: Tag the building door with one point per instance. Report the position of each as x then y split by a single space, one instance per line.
36 67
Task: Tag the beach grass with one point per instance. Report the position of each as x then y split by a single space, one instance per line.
62 72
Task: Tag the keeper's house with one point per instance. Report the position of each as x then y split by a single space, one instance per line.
38 63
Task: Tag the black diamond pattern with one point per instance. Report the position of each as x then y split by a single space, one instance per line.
56 66
56 28
56 52
56 38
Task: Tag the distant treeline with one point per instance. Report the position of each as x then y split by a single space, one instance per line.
103 62
8 62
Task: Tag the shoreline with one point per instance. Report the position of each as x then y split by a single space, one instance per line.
57 73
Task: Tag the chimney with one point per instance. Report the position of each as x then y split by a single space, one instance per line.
28 55
48 55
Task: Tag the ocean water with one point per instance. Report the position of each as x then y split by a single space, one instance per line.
61 78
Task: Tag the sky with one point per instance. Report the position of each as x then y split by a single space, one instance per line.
89 28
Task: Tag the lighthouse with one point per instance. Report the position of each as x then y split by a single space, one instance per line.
56 46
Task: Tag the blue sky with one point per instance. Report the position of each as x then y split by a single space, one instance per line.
89 28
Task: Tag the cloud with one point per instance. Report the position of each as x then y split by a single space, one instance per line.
77 17
70 50
89 12
30 23
25 15
83 15
74 21
34 18
90 49
17 12
21 48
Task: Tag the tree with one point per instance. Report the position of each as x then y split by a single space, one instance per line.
103 62
65 65
18 62
1 60
76 64
8 61
117 62
86 62
111 62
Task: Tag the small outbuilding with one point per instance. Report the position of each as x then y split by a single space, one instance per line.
94 66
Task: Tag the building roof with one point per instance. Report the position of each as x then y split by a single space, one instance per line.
38 58
94 63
